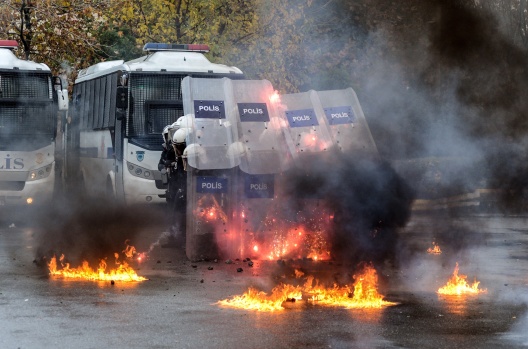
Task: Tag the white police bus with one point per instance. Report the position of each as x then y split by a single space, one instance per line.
28 129
121 109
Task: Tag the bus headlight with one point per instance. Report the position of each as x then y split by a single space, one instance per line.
40 173
141 172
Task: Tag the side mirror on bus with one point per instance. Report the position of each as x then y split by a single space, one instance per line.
62 93
122 97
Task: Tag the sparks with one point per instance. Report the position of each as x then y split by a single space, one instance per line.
275 97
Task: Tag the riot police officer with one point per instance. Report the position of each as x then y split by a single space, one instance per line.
167 158
177 186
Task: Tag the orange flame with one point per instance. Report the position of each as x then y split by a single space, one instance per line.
457 285
435 250
364 294
254 299
122 272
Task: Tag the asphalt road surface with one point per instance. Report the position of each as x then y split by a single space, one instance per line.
176 307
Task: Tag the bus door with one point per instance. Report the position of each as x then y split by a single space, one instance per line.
122 115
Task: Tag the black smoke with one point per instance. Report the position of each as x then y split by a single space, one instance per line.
86 229
370 202
492 84
444 79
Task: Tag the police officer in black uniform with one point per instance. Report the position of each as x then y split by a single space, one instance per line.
167 158
177 190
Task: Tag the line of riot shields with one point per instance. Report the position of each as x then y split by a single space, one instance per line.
243 141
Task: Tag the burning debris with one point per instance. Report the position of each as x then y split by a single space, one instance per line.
457 285
80 240
122 271
435 249
362 295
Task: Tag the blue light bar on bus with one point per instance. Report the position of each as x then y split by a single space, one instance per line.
153 47
10 44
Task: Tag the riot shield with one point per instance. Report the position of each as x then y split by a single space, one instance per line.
261 140
213 127
347 125
307 132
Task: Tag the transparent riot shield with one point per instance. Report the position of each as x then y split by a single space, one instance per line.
261 142
270 222
285 226
347 124
209 222
211 105
271 226
210 163
263 156
307 132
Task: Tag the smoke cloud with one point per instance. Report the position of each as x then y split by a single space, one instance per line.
84 229
369 200
451 86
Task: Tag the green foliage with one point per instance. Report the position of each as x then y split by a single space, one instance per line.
118 43
58 33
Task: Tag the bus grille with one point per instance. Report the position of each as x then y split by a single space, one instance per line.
25 85
12 186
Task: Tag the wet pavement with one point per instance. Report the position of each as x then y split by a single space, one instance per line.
176 307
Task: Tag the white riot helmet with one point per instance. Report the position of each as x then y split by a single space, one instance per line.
193 150
183 121
180 136
172 129
165 133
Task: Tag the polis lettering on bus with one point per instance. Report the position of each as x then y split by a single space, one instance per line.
339 115
253 111
9 163
208 108
211 185
258 186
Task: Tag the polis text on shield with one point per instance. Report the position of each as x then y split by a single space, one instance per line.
339 115
257 111
208 108
211 185
258 186
301 118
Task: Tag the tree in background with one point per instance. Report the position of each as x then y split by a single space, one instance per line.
215 22
58 33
